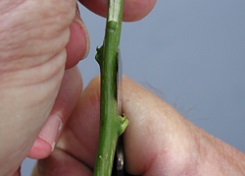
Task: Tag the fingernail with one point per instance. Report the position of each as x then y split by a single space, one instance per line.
51 130
79 21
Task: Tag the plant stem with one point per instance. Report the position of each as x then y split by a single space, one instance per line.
112 125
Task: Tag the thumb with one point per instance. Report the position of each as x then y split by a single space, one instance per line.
156 136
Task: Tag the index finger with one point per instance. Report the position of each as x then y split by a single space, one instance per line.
133 9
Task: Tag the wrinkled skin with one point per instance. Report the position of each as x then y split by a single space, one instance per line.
43 106
40 40
158 140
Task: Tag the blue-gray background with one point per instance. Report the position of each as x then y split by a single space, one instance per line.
190 53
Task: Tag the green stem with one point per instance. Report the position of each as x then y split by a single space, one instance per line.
112 125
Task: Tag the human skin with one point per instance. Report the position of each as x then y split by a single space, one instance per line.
158 140
41 42
38 43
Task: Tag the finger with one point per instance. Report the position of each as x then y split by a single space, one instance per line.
133 9
64 105
78 45
61 163
156 135
156 132
80 138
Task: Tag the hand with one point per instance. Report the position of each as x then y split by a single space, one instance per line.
39 41
158 140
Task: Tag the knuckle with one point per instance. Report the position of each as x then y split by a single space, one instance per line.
30 28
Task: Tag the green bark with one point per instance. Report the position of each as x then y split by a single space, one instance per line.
112 125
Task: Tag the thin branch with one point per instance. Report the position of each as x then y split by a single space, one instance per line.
112 125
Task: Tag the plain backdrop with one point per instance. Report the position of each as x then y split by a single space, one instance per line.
190 53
